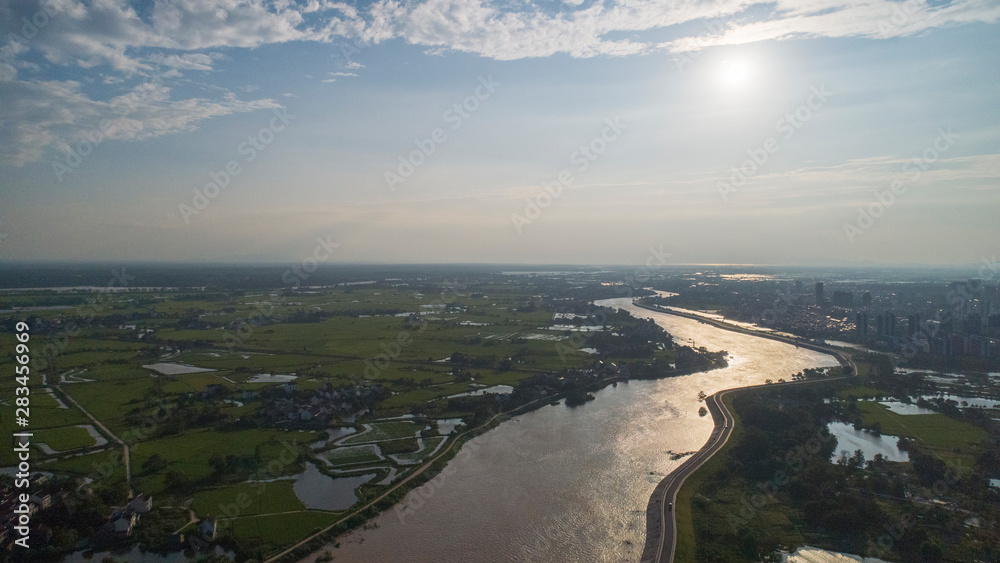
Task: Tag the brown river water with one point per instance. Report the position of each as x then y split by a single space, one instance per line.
561 484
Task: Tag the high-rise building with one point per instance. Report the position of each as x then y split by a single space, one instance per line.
913 326
820 298
861 322
866 299
886 325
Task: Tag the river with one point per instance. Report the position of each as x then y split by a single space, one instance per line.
562 484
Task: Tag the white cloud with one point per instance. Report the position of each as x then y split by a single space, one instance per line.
192 61
125 43
111 31
44 116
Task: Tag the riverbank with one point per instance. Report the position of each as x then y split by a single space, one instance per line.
566 484
843 358
661 538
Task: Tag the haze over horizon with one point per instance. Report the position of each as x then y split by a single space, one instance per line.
419 131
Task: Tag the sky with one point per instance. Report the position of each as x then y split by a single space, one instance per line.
648 132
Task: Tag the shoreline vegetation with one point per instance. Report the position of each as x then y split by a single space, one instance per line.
697 361
269 376
681 512
777 485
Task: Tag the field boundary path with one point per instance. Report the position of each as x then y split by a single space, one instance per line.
128 465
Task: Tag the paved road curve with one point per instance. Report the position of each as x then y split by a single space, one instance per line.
661 525
661 538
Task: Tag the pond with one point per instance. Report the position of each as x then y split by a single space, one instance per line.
447 425
323 492
905 408
496 390
849 440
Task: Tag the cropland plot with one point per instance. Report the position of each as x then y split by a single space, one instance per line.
189 453
110 401
384 431
247 499
64 439
216 338
280 530
422 396
103 372
104 467
49 412
353 455
283 363
175 368
173 305
430 446
512 378
88 340
93 359
195 382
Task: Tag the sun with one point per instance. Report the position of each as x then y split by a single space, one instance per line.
735 72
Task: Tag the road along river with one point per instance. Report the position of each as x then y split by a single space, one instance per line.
562 484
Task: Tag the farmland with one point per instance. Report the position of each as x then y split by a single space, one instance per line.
225 393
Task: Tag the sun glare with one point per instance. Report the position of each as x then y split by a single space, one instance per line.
735 73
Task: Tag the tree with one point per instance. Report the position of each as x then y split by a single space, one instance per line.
175 480
154 464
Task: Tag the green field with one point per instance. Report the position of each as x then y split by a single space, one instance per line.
353 455
248 499
417 456
65 438
333 336
951 440
269 533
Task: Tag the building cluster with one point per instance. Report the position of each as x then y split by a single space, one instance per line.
970 326
323 404
205 533
121 524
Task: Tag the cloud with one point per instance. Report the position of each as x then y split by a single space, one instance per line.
184 62
112 31
125 43
491 29
44 116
